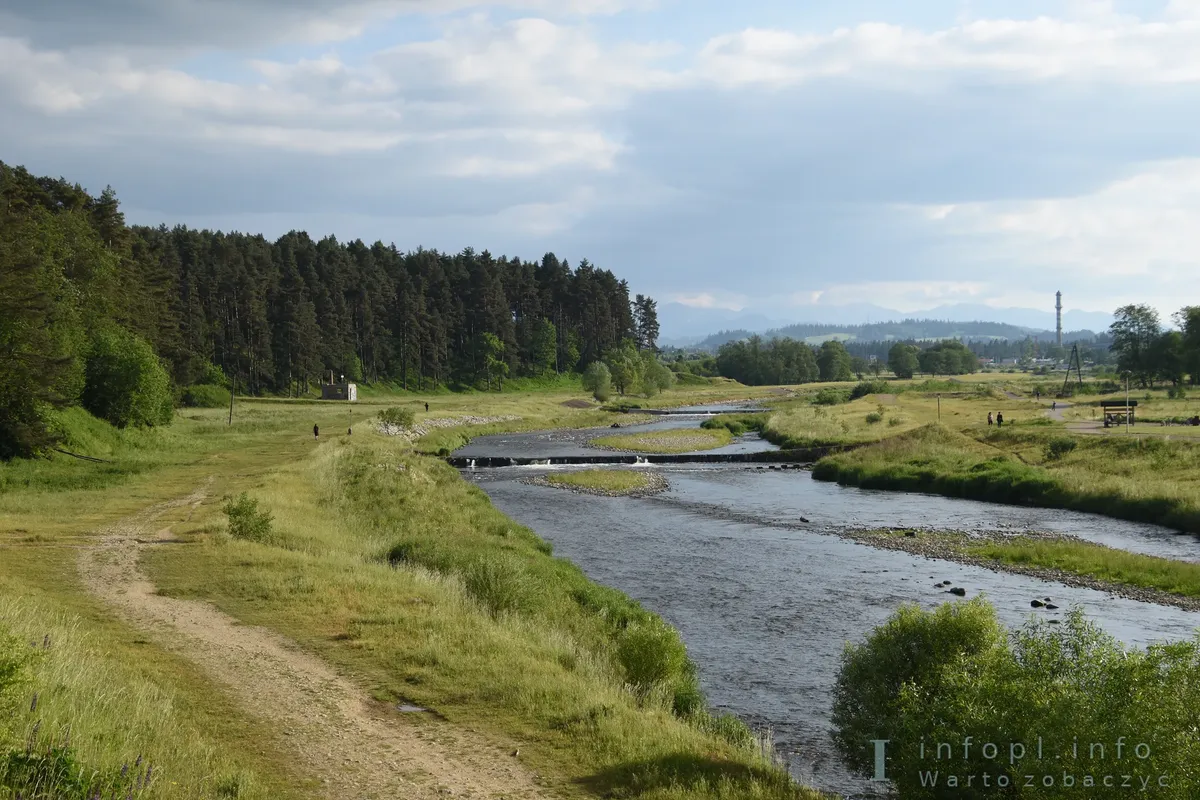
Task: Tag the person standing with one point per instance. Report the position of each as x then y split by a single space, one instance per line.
999 418
316 432
427 408
989 418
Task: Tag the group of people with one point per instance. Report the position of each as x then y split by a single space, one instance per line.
999 420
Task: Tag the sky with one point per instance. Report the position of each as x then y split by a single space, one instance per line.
761 156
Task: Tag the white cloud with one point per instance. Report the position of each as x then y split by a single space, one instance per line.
1134 235
899 295
1095 47
718 300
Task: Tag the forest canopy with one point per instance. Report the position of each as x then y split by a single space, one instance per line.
91 308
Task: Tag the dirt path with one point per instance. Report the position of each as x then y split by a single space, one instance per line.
352 746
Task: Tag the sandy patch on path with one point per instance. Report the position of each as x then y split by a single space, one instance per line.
351 745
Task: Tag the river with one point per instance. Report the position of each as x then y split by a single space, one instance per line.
766 604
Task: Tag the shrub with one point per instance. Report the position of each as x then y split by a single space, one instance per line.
205 395
499 583
830 397
402 417
125 382
247 520
894 421
955 672
868 387
1177 393
597 379
874 417
652 653
1057 448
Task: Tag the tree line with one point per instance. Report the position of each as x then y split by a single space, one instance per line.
756 362
1148 353
120 319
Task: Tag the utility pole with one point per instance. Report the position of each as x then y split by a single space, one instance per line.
1127 402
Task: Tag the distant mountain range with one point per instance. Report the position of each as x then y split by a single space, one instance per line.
684 326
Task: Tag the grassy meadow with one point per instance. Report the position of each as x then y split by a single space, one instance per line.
379 559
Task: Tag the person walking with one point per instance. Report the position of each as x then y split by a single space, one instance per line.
989 418
316 432
999 418
427 408
1053 405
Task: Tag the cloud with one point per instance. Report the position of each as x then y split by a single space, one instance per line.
709 300
170 24
1138 232
1097 47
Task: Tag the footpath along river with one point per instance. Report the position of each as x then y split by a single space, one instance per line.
765 603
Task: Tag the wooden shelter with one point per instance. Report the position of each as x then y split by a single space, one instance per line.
1116 411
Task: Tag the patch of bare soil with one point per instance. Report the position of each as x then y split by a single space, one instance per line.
351 745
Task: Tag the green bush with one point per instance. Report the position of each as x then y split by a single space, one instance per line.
926 678
247 520
869 387
597 379
402 417
830 397
205 395
125 383
1057 448
874 417
894 422
1176 393
653 654
500 583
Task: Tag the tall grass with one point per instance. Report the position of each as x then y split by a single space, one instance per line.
84 723
396 568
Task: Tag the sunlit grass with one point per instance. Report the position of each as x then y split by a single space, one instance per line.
673 441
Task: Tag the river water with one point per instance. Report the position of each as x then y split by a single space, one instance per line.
766 603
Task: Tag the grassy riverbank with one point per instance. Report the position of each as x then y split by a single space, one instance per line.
1140 480
379 560
1053 557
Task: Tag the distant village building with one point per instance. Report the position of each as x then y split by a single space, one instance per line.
347 392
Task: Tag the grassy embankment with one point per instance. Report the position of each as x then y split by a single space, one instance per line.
605 481
406 579
672 441
902 443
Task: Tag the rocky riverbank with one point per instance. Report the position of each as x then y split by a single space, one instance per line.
952 546
427 425
653 483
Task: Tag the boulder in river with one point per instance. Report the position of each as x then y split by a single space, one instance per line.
804 520
615 425
1051 607
1036 604
958 591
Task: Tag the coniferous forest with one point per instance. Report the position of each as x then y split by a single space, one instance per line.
120 319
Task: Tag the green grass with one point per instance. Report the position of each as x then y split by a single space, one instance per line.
1096 561
672 441
390 565
603 480
410 581
1142 480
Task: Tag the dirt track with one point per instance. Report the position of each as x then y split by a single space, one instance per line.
350 745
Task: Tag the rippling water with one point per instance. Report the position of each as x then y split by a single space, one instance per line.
765 608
